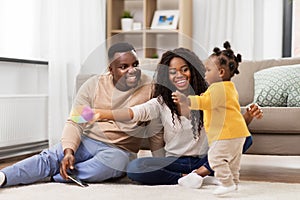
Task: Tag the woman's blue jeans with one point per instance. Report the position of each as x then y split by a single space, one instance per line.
167 170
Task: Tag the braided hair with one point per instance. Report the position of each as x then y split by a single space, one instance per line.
227 59
163 87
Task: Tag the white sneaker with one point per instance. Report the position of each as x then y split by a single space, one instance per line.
2 178
224 190
192 180
211 180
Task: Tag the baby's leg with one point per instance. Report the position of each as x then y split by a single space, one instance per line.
235 163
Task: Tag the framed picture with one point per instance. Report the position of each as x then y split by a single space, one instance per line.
165 19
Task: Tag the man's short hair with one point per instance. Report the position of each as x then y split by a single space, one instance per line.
119 48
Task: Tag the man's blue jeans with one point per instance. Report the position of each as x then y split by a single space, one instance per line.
167 170
95 162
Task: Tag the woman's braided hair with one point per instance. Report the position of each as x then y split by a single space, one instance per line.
163 87
226 58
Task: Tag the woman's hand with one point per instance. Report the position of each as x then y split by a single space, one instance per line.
96 117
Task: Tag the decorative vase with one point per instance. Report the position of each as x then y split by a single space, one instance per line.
126 24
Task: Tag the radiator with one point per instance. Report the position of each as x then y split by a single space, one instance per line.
23 122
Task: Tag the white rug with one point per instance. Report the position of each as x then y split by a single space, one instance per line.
128 191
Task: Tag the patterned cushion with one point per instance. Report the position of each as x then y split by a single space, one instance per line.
278 86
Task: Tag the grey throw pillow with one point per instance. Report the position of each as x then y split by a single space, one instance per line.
278 86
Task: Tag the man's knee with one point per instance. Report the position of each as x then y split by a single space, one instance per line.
114 158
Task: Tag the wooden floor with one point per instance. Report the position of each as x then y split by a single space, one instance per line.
285 169
10 161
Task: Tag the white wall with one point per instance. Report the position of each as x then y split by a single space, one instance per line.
23 102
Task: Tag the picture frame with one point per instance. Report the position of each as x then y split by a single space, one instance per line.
165 19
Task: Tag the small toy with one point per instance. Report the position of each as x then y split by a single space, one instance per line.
82 114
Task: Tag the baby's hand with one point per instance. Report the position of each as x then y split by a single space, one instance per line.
254 110
179 98
182 103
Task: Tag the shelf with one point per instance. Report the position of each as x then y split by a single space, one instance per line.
117 31
158 31
149 41
162 31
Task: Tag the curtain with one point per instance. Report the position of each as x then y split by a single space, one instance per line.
63 32
253 27
72 29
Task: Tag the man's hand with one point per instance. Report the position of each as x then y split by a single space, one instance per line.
67 163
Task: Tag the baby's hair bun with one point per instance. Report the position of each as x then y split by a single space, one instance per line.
227 45
239 57
216 50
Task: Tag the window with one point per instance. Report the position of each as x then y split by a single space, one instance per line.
20 23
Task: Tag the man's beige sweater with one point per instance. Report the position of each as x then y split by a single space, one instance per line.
99 92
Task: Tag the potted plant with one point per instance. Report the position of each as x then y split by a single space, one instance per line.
127 20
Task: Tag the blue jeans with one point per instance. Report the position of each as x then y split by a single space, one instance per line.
167 170
94 162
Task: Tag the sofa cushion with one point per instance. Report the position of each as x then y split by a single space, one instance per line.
278 86
276 120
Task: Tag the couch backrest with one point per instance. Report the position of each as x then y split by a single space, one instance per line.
244 81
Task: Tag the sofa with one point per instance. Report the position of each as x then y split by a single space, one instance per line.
277 133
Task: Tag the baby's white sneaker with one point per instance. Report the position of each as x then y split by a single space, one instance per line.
224 190
192 180
2 178
211 180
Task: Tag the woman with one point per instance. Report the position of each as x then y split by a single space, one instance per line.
185 140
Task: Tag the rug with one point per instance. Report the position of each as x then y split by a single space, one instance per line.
128 191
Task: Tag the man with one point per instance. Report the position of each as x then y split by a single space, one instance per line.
99 151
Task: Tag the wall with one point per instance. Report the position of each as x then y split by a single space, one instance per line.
23 106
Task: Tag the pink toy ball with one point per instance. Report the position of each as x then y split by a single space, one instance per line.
82 114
